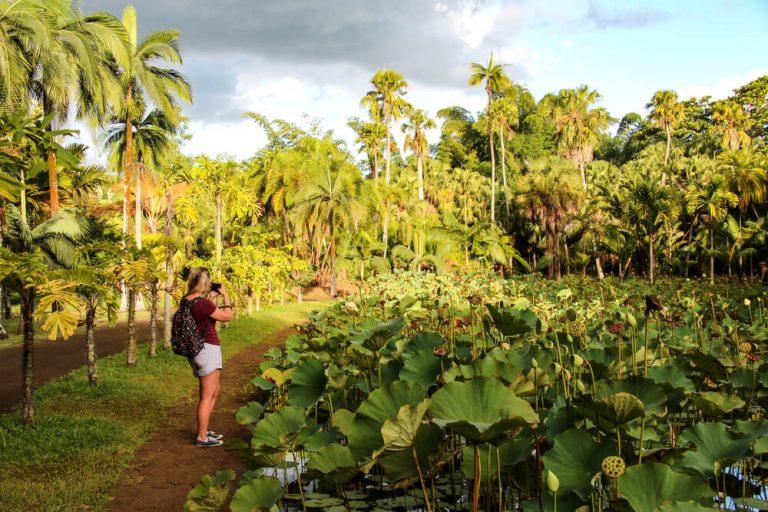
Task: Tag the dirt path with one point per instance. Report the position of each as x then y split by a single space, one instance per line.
56 358
167 467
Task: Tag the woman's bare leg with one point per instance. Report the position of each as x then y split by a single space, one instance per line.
209 390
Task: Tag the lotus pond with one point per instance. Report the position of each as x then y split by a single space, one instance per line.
433 392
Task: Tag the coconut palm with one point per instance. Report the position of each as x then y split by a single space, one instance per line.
416 141
549 195
330 203
493 79
385 103
710 199
666 113
649 206
578 126
143 81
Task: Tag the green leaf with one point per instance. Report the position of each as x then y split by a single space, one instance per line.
211 493
278 431
480 409
248 414
649 486
711 443
716 404
421 367
575 459
514 322
307 383
259 495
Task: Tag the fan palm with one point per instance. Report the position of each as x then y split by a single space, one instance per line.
330 203
416 140
493 79
710 200
550 196
385 103
649 205
666 113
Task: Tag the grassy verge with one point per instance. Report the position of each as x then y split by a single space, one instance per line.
84 436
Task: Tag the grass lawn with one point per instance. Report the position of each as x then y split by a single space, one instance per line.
84 437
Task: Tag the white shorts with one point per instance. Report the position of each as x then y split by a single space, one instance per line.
206 361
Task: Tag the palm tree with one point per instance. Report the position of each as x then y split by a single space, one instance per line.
75 66
732 123
330 203
666 113
578 126
153 139
143 81
416 140
649 206
493 78
134 271
710 199
385 103
24 24
218 175
32 251
745 173
505 118
549 195
371 137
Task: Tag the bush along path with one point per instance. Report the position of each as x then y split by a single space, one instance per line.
130 436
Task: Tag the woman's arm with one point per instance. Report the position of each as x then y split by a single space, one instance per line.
223 313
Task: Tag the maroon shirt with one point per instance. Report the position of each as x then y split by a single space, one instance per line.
201 311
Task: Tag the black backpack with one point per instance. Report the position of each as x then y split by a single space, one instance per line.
186 339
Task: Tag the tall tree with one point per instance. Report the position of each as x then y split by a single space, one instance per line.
142 81
732 124
416 140
493 78
578 125
385 102
666 113
709 199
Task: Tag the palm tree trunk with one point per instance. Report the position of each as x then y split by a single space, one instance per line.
152 323
583 175
28 354
23 198
650 258
388 149
53 182
90 354
217 229
131 351
504 172
493 177
385 233
741 256
556 254
333 259
169 275
376 166
127 170
712 253
137 213
668 150
551 255
420 169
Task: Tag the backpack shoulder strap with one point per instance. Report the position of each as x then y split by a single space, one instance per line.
193 301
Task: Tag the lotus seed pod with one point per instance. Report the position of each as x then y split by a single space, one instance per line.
557 367
578 360
745 347
580 385
506 346
631 320
716 467
613 467
534 363
553 484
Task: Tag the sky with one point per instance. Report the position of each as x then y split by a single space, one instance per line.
313 59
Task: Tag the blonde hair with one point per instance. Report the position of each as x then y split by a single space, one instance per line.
199 280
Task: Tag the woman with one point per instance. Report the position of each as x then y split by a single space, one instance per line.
207 364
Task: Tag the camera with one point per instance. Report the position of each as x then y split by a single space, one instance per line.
215 287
